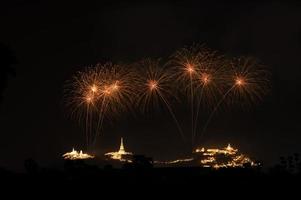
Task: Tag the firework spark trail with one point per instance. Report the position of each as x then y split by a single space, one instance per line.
116 94
192 118
173 116
209 92
90 127
251 79
87 128
155 83
197 111
185 63
107 90
249 83
81 100
210 78
214 110
100 122
90 87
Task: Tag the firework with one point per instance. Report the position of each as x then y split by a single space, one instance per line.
198 69
97 92
117 90
209 83
155 87
82 96
248 83
186 63
115 93
153 80
208 80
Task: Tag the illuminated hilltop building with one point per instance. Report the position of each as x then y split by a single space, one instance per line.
226 157
210 152
120 155
76 155
223 158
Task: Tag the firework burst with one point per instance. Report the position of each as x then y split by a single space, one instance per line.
117 88
206 78
115 93
154 81
247 83
186 62
210 83
156 87
82 95
250 81
104 90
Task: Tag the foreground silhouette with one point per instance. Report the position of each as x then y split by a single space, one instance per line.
141 172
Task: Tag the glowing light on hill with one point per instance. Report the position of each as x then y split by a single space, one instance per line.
121 154
231 158
76 155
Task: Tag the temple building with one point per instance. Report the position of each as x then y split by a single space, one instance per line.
121 154
223 158
77 155
227 157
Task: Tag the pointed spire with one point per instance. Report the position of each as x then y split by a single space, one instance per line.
121 149
229 148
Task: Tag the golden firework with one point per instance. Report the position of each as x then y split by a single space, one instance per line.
208 79
154 83
249 80
156 87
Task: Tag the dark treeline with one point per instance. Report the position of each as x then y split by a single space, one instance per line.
142 171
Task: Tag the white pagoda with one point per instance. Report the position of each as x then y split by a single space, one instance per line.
121 155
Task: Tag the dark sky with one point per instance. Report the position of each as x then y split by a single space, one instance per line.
53 40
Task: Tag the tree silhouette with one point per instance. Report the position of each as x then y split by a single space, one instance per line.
31 166
7 59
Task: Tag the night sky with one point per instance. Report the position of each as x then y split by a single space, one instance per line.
52 41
